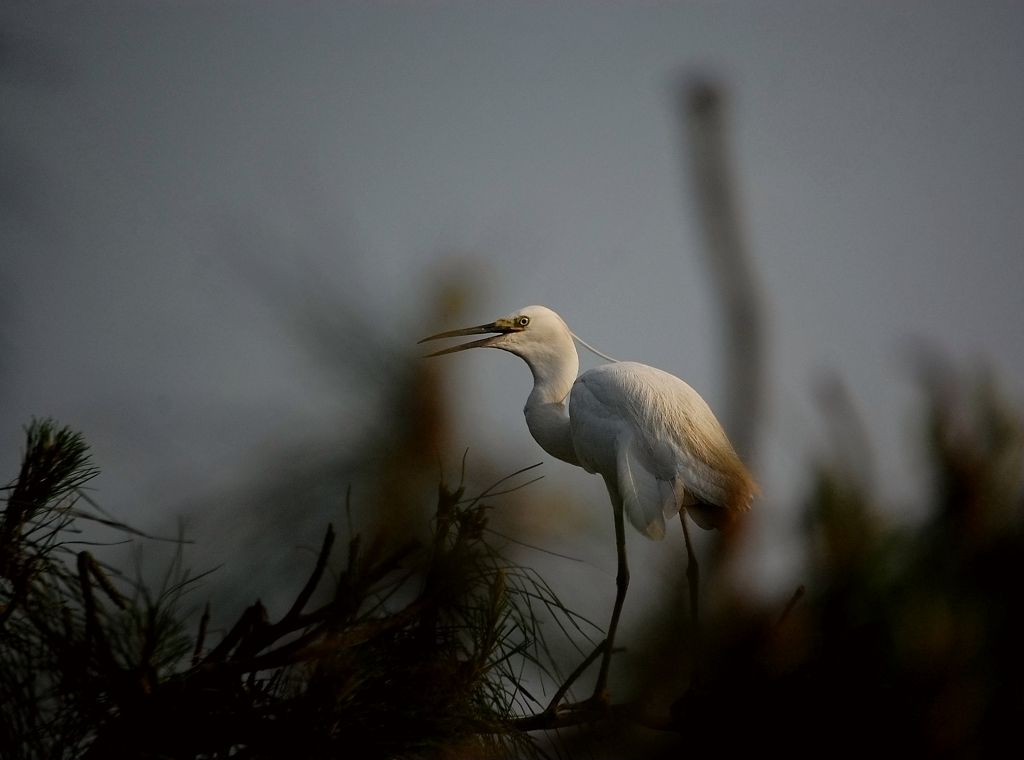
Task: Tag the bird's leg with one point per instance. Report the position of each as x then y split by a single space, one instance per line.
693 577
621 584
599 700
692 571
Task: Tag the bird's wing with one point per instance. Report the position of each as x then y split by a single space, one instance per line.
672 435
647 499
608 441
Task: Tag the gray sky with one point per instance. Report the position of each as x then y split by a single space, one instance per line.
160 159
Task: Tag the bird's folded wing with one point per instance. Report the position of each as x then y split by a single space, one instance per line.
646 499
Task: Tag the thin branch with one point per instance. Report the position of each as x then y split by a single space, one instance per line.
238 632
204 623
314 580
557 699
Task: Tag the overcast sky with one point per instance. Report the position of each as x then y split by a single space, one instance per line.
165 165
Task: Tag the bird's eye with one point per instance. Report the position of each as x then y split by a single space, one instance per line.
523 321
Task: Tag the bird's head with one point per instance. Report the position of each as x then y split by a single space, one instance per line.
535 333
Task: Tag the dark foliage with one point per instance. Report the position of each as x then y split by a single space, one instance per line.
905 640
92 665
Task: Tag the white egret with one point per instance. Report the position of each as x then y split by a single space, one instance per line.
653 439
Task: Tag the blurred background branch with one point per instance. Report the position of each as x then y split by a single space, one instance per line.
742 319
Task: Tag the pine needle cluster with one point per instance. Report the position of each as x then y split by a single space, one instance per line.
415 651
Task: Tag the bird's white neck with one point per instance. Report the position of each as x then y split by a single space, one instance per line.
547 408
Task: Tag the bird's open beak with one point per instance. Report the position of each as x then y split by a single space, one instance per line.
492 327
